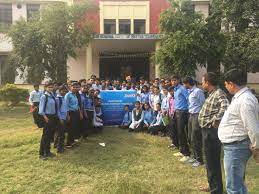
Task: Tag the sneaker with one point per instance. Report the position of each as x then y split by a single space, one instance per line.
178 154
196 164
43 157
172 146
69 146
184 159
76 140
191 160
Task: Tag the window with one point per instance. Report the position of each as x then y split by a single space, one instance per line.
32 9
139 26
5 14
109 26
124 26
2 67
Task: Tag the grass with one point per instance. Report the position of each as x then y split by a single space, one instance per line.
130 163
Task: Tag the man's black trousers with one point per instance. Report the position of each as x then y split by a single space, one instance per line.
181 120
48 129
212 150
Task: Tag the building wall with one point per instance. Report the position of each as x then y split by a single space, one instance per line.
19 12
92 17
77 66
5 44
203 8
124 10
156 7
253 78
151 12
200 72
96 69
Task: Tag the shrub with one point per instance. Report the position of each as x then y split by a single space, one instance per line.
13 95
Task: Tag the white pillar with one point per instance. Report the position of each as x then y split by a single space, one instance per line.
132 26
89 61
157 70
117 26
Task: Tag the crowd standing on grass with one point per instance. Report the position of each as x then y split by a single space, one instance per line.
198 120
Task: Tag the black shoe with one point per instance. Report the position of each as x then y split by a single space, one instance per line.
43 157
60 151
51 155
75 144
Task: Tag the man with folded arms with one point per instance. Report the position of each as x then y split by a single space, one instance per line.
239 131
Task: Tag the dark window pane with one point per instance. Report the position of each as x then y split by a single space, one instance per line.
139 26
124 26
32 9
5 14
109 26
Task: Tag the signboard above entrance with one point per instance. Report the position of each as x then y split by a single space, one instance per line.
129 36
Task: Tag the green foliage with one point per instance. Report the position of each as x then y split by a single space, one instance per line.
44 43
8 69
4 27
214 37
189 40
12 94
240 14
242 50
240 21
183 45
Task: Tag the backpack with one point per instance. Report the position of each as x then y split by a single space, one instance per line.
46 101
41 123
60 101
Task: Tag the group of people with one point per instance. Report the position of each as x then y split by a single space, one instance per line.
199 121
73 108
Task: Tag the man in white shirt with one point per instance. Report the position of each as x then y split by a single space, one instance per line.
157 98
239 131
34 101
165 101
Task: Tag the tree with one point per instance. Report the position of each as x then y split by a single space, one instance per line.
230 37
242 50
240 20
182 45
214 37
8 69
44 43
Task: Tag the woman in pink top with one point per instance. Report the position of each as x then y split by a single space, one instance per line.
171 105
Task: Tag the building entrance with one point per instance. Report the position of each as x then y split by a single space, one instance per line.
119 65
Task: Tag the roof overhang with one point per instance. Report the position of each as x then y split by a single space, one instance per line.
127 36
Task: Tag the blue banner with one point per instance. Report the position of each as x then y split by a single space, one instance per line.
113 102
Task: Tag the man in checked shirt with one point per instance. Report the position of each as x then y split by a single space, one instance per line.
209 118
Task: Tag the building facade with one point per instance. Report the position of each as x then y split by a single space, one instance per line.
126 35
10 12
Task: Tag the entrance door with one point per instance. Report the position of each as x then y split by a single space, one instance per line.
117 66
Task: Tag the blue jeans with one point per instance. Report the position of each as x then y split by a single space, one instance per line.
235 160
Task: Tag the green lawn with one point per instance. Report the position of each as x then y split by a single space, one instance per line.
130 163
